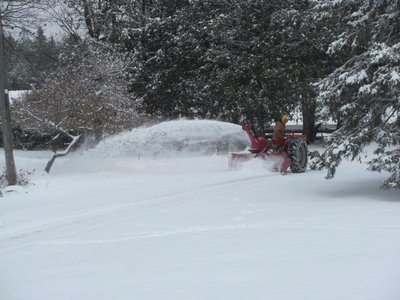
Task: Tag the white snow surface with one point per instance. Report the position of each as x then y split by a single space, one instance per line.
15 96
105 224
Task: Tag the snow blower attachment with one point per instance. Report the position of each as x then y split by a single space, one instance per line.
292 151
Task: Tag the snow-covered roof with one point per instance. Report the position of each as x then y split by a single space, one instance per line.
16 95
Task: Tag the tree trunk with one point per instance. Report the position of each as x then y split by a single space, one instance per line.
144 7
88 15
6 117
308 112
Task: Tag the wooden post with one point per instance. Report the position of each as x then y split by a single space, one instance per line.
6 117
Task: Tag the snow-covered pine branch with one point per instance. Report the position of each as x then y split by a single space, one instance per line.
364 93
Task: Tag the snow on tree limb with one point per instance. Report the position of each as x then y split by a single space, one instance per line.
56 154
58 127
364 93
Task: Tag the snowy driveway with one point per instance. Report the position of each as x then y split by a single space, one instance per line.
204 234
155 214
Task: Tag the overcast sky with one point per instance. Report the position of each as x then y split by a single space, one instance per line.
44 18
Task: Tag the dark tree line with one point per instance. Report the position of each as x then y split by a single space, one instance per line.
30 59
234 60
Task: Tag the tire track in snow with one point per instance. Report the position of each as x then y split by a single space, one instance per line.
210 228
90 214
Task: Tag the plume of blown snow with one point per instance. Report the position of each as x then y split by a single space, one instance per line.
173 146
172 138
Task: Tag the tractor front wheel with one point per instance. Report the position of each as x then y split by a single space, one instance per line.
298 153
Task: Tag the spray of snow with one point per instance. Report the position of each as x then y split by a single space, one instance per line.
186 137
172 146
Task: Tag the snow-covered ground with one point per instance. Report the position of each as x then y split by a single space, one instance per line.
15 96
114 223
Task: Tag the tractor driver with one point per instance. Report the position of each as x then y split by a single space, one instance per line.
279 130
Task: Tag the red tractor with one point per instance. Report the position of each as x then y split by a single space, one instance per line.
292 151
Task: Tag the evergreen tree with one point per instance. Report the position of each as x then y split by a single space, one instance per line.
18 72
364 92
238 60
29 59
43 57
109 20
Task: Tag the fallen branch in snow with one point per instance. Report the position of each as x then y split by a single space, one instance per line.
56 154
58 127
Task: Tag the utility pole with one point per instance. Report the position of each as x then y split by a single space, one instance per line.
6 116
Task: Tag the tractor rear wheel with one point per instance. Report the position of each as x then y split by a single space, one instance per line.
298 153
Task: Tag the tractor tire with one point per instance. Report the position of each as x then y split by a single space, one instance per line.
298 153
